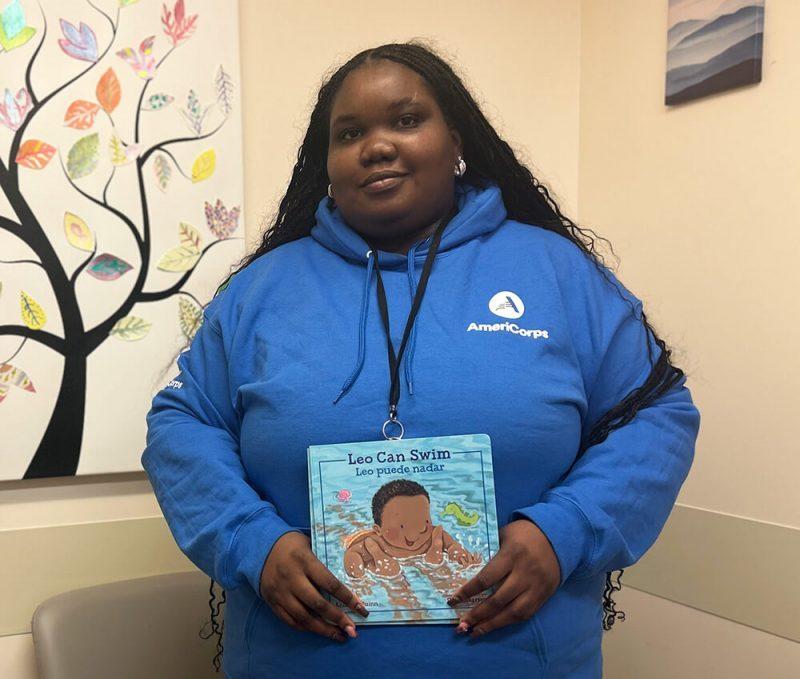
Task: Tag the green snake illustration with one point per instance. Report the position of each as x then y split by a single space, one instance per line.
462 518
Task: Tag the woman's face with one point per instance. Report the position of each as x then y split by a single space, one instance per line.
391 154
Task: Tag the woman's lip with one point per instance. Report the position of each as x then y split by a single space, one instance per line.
384 184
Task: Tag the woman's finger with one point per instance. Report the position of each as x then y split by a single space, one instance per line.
324 579
519 610
317 604
492 606
307 621
497 568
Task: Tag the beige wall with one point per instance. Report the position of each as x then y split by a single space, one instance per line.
700 202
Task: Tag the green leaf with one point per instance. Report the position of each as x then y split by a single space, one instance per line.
160 100
83 156
130 328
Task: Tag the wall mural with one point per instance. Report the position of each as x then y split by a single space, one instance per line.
120 170
712 46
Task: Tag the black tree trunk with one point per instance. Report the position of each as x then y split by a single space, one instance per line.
60 448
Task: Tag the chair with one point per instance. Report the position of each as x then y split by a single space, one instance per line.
134 629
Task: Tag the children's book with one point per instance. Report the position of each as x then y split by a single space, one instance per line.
404 523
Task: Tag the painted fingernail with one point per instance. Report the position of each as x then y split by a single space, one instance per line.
362 609
351 631
453 600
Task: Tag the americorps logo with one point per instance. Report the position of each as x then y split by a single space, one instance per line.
507 304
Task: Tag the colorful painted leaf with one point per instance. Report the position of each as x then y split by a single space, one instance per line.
83 156
125 3
107 267
190 316
130 328
224 85
13 31
221 221
120 153
142 60
108 90
179 259
78 233
163 171
32 314
35 154
195 114
14 108
160 100
177 25
203 166
80 114
16 377
189 235
78 42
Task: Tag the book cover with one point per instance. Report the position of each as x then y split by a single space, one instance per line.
404 523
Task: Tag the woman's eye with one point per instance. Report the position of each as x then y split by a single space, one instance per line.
408 120
348 134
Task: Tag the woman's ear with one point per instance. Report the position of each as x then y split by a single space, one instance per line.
457 143
377 529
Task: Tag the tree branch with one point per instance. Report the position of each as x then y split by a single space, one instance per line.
141 95
77 271
121 215
22 261
9 225
17 140
179 140
176 287
29 69
177 164
48 339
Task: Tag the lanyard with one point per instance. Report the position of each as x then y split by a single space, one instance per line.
395 359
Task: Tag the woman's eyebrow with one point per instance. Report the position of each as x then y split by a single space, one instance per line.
398 103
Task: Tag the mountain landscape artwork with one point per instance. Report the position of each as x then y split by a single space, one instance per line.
712 46
121 193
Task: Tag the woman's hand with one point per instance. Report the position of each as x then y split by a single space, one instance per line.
289 582
529 570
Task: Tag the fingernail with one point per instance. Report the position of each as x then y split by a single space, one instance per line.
462 627
351 631
362 609
339 637
453 600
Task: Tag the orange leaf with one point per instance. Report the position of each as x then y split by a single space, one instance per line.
35 154
108 90
80 114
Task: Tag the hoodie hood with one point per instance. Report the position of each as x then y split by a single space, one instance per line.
480 211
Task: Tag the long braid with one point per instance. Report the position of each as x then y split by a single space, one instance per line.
489 159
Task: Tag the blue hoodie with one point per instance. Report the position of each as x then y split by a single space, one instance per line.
298 329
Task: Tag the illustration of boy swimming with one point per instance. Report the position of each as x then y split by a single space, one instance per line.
403 528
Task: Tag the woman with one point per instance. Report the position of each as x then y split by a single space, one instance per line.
520 333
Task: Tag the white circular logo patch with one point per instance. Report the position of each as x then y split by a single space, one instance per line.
507 305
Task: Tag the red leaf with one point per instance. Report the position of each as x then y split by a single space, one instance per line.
35 154
108 90
80 114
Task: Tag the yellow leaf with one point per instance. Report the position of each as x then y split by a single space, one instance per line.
32 314
78 234
118 156
182 258
130 328
203 166
190 316
189 235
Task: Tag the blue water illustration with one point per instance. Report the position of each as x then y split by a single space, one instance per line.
455 471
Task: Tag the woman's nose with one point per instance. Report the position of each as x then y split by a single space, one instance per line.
377 148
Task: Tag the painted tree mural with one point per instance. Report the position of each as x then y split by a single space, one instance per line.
93 128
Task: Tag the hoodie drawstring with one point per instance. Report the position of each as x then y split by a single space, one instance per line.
362 335
412 339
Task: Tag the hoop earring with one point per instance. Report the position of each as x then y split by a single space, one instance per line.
330 193
461 167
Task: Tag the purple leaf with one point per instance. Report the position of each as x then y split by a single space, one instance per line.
107 267
79 43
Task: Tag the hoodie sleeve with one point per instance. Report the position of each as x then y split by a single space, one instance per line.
193 462
610 507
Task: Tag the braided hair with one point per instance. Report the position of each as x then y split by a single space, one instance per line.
490 160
